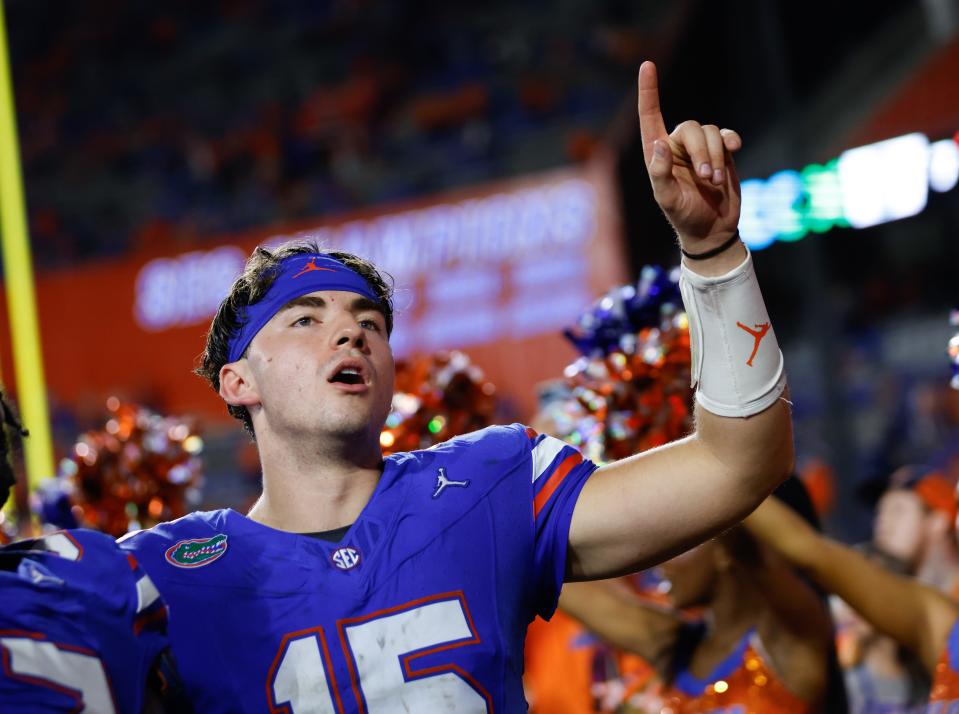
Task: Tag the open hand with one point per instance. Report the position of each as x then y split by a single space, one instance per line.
692 171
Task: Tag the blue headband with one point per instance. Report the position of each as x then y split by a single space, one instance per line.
296 276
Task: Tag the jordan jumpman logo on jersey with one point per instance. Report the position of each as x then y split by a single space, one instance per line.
758 334
442 482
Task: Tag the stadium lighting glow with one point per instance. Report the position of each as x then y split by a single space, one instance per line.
863 187
885 181
943 165
186 289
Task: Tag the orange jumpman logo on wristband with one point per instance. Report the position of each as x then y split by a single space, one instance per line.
758 334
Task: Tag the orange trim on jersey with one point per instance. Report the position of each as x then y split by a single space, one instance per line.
23 633
351 667
531 433
439 669
75 542
405 659
147 619
542 498
36 635
70 538
327 663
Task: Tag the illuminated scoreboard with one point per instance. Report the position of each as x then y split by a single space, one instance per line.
863 187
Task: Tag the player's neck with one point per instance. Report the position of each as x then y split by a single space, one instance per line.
315 489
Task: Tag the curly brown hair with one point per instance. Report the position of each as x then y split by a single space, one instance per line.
252 285
7 419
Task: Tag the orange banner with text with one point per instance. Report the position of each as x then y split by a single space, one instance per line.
495 271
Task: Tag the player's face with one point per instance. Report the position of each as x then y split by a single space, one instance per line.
899 526
692 575
324 364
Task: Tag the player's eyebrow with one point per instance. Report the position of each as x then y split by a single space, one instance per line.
364 303
304 301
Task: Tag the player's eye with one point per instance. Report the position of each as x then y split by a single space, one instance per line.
370 324
303 321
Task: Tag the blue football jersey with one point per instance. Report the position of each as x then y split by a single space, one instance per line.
81 626
421 607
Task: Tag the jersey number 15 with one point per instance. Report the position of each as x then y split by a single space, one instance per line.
379 650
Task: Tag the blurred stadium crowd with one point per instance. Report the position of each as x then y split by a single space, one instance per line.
263 111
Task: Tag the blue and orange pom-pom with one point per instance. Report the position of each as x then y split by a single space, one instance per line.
630 389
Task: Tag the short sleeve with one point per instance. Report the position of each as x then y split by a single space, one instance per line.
558 473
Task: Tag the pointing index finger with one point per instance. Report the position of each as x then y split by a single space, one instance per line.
651 124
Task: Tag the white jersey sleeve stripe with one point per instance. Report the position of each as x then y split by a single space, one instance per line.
147 593
63 545
544 453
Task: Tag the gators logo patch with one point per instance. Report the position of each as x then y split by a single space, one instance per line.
197 552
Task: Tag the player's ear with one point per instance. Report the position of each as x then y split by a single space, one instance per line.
237 386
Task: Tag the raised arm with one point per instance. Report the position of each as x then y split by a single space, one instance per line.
618 616
798 608
641 510
913 614
796 629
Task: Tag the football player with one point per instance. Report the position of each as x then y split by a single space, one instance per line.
363 584
82 628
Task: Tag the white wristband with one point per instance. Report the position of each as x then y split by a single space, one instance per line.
735 356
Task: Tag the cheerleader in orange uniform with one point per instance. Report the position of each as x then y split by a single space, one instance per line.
558 674
917 616
763 645
743 683
571 671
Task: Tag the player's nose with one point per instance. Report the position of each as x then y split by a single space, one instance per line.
346 333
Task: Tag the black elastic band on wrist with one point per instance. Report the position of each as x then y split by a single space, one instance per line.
715 251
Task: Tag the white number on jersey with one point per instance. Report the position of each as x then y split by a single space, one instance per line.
380 650
301 677
73 673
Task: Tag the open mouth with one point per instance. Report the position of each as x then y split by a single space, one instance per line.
347 375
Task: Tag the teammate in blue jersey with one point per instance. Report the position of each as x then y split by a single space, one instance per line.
82 628
363 584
